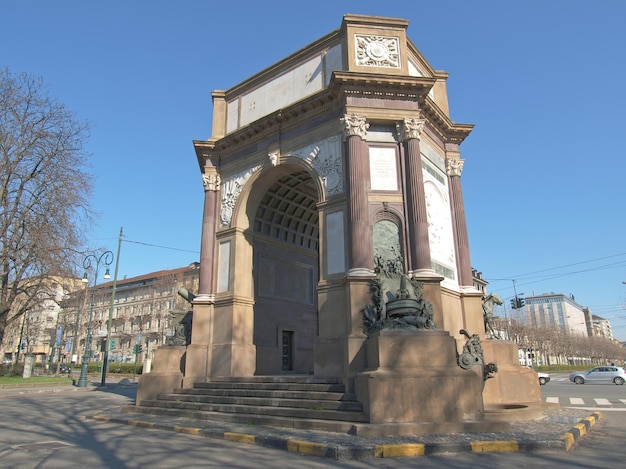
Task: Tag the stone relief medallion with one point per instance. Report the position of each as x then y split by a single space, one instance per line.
377 51
231 188
325 157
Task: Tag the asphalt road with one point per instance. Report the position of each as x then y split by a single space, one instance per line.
603 397
47 431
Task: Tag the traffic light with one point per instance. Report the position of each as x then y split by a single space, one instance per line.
137 349
520 303
514 303
103 344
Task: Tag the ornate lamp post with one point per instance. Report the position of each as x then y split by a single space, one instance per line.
105 361
106 258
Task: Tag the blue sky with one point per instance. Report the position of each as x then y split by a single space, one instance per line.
542 81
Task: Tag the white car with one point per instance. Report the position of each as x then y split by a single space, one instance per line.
543 378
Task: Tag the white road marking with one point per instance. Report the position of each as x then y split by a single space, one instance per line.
552 400
602 401
576 401
604 409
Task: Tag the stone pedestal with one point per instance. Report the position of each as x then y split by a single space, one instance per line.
167 374
29 362
513 392
413 377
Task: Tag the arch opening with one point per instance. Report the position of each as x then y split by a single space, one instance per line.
285 242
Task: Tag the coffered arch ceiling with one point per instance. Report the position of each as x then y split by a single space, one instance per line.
288 211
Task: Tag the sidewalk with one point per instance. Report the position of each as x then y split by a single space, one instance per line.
559 430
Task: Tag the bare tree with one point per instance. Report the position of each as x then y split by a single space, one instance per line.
44 191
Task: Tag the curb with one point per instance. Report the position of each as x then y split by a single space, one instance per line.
360 452
579 430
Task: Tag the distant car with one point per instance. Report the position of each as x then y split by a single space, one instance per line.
543 377
600 374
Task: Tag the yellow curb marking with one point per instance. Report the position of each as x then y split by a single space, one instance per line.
140 423
568 438
494 446
240 438
399 451
582 428
187 430
306 447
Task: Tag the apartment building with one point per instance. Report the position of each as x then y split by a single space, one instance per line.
36 329
140 312
602 327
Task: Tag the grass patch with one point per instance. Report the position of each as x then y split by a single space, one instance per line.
14 380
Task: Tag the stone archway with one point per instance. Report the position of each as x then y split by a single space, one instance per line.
285 243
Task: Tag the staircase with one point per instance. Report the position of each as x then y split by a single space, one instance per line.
302 402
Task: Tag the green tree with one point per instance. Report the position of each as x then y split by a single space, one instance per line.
44 191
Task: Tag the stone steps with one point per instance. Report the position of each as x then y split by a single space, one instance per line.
269 393
302 402
269 400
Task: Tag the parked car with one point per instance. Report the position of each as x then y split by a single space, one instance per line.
543 378
600 374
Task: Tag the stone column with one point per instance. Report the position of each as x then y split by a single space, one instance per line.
211 181
360 249
198 356
454 166
410 131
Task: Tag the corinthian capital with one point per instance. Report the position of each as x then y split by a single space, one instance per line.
354 125
454 166
410 128
211 181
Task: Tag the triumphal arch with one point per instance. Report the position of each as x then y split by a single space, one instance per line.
334 239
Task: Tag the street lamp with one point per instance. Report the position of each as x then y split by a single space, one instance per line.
107 258
105 361
79 310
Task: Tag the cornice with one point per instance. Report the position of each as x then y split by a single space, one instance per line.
442 125
343 85
382 86
204 150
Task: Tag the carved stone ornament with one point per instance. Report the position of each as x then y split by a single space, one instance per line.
325 157
377 51
274 157
454 166
211 182
410 129
352 125
231 188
